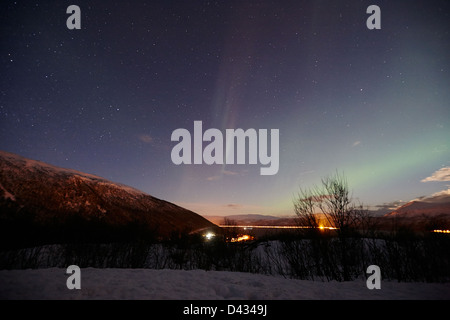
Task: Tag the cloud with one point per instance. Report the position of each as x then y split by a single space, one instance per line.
145 138
233 206
442 174
389 206
442 193
356 143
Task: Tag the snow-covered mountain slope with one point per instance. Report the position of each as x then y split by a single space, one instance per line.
58 202
419 208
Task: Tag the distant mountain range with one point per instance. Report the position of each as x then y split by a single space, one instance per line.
427 207
252 219
425 214
416 211
43 203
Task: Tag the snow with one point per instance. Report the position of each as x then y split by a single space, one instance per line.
7 195
134 284
33 165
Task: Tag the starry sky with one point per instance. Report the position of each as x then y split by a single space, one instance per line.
105 99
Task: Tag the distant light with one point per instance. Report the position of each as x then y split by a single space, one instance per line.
209 235
244 237
441 231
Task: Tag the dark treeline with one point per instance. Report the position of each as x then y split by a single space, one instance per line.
402 256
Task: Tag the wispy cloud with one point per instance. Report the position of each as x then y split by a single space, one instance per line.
443 195
145 138
445 192
356 143
234 206
442 174
390 206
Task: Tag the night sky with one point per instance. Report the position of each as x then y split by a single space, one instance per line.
373 104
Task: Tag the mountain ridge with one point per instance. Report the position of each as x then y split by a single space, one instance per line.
41 197
422 207
252 219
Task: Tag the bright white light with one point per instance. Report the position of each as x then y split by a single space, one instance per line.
209 235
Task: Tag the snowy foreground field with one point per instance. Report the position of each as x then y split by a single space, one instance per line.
198 284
